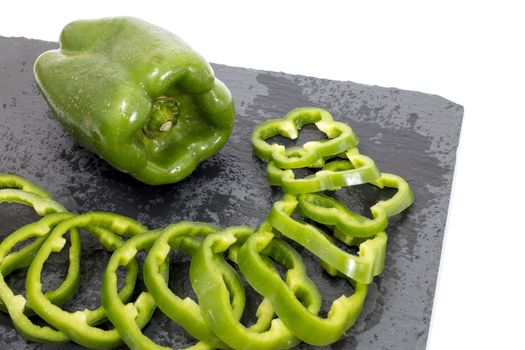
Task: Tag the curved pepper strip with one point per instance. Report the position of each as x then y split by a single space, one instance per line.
212 292
16 190
42 206
23 257
15 304
361 268
19 190
20 183
400 201
187 236
340 138
78 325
285 298
357 169
328 211
125 317
19 259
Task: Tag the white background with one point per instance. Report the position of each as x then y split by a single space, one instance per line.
470 53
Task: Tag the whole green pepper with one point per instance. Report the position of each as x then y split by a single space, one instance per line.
136 95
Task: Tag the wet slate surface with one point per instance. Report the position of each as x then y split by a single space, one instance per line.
408 133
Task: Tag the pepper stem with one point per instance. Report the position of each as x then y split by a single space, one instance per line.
164 115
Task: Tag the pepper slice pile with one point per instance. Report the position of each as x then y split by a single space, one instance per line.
289 310
338 169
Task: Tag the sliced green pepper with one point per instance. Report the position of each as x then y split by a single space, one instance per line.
328 211
403 198
15 189
340 138
210 286
187 236
355 170
360 268
287 297
16 304
128 319
42 206
18 182
136 95
78 326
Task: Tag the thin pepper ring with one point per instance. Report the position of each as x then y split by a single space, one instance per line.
17 182
286 301
187 237
22 258
212 292
340 138
328 211
361 268
78 326
16 304
14 189
43 206
124 317
355 169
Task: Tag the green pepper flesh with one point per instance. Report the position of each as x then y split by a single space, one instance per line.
113 84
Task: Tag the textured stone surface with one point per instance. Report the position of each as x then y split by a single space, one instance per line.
408 133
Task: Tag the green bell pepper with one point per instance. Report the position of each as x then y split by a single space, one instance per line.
136 95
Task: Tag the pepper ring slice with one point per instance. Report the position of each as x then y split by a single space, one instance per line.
187 236
348 225
212 292
78 326
18 182
16 304
356 169
286 297
361 268
340 137
126 317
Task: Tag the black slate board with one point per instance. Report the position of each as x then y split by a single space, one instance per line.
408 133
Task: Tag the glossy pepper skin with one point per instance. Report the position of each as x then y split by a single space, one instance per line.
136 95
